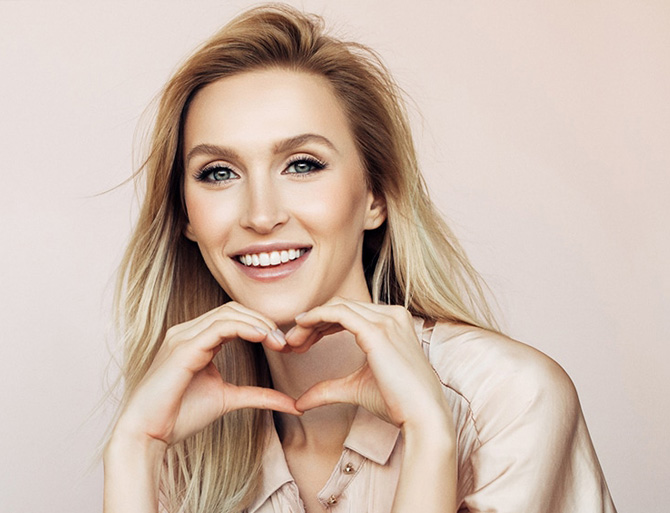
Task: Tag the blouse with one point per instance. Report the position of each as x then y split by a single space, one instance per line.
523 445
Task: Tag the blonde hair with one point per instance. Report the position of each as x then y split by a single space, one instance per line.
412 259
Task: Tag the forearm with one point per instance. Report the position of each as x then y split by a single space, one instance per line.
132 472
428 476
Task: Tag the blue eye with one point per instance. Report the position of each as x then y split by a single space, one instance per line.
216 173
304 165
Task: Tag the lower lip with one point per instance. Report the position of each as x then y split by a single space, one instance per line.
272 272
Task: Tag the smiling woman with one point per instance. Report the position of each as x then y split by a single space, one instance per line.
286 178
287 258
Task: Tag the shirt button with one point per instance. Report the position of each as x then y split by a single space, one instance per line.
332 500
349 469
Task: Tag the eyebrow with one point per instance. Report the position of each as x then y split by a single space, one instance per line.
211 150
293 142
279 147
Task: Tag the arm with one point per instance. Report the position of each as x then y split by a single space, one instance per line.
524 443
132 469
427 479
536 456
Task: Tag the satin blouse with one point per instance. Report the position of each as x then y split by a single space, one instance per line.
523 445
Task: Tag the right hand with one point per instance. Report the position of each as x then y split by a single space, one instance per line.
183 392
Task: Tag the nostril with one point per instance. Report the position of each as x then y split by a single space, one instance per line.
264 218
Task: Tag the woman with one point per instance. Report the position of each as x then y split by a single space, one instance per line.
287 258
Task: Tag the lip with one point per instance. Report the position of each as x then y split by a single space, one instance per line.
273 272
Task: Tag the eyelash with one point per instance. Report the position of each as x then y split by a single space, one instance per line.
203 174
316 165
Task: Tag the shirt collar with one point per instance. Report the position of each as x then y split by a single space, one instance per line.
369 436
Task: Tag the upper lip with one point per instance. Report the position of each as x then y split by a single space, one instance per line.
269 247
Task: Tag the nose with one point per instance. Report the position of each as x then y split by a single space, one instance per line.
264 210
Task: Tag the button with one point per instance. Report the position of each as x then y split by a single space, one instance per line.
349 469
332 500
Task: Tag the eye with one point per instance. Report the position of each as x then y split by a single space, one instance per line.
304 165
216 173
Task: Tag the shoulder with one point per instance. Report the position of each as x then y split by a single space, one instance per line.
518 422
501 379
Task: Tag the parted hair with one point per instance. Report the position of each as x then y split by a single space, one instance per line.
413 259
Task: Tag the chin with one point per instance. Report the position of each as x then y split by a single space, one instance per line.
283 317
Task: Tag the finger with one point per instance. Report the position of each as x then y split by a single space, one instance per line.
229 311
350 317
269 323
340 390
301 338
195 353
375 310
227 330
261 398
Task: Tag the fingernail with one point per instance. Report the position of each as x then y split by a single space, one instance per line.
279 336
288 333
261 330
300 315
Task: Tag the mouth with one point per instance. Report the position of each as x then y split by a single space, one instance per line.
271 258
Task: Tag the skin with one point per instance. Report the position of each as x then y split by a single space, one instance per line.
329 348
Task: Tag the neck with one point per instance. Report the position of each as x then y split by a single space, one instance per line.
334 356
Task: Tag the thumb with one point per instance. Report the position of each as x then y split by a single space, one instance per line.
261 398
340 390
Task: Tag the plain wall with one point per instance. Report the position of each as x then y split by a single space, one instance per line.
544 133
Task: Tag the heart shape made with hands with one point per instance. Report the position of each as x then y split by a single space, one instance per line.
396 370
182 391
358 388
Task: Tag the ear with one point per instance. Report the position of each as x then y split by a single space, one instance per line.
376 212
188 232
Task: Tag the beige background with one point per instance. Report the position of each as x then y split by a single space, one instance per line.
544 135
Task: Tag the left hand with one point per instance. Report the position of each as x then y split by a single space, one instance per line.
396 383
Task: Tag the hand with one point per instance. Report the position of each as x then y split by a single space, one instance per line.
396 383
183 392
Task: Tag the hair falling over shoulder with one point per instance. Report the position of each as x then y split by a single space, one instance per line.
412 259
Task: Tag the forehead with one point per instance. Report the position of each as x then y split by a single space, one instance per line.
259 107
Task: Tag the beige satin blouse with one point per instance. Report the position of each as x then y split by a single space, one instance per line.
523 446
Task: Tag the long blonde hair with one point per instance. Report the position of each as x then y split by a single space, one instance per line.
412 259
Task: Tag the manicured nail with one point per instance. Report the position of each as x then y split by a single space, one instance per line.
300 315
261 330
279 336
288 333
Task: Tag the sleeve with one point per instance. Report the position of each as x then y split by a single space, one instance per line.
533 452
536 455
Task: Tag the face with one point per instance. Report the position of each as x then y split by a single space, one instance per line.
275 192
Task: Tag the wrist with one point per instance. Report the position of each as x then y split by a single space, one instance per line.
128 447
429 449
434 425
132 467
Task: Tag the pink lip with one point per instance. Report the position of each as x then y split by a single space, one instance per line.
272 272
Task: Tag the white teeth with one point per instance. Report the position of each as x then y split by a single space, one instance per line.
272 258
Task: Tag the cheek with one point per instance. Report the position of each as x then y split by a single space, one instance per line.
209 217
338 206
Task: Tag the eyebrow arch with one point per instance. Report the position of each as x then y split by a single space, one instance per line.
212 150
293 142
279 147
